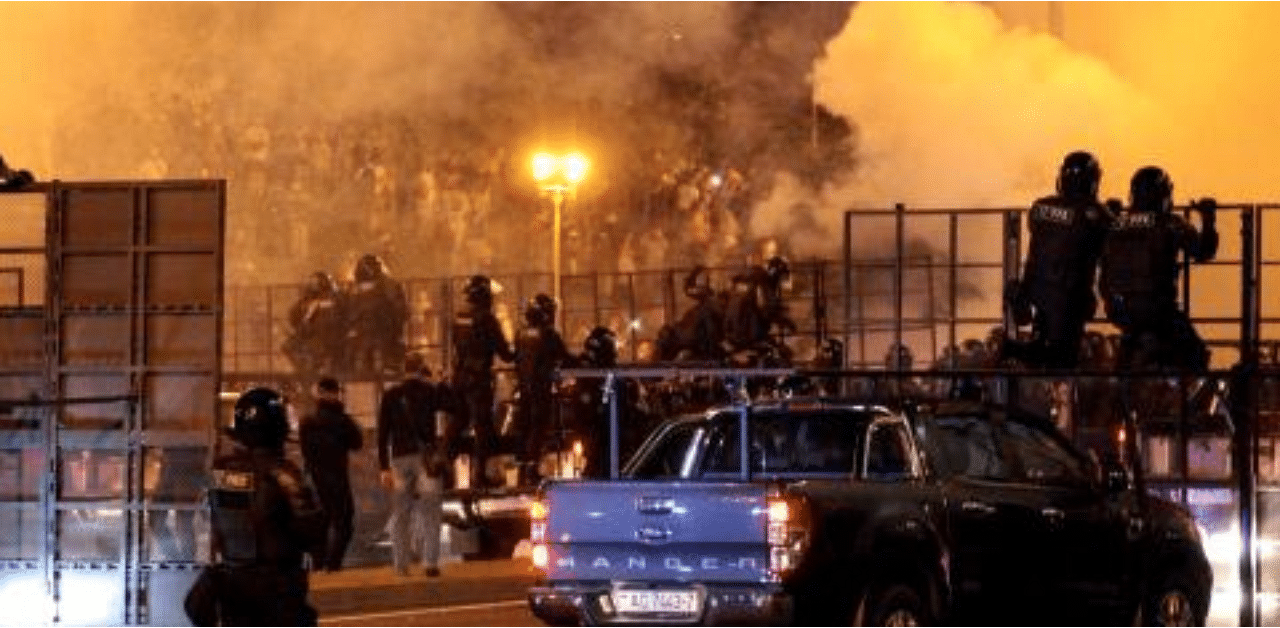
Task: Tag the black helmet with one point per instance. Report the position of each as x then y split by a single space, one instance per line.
1079 175
261 420
899 357
601 347
547 305
1151 190
479 290
369 267
540 310
321 283
778 268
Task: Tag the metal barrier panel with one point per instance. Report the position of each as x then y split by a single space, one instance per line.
108 397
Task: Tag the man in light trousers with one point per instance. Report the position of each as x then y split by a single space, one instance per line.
412 465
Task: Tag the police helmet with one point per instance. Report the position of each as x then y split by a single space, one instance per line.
601 347
1151 190
540 310
547 305
261 420
321 283
369 267
778 268
899 357
1079 176
479 290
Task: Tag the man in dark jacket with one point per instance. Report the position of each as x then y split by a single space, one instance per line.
265 518
412 464
327 437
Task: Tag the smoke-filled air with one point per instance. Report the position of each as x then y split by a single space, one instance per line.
713 129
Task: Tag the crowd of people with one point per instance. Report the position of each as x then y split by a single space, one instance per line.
318 193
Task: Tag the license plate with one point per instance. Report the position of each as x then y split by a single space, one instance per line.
685 602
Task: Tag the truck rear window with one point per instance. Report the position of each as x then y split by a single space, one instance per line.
781 444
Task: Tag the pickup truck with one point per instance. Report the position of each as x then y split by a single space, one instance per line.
831 513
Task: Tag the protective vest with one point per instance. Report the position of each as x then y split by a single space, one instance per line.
1141 256
539 350
1066 241
477 336
263 511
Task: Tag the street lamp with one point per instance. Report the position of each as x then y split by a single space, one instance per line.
558 176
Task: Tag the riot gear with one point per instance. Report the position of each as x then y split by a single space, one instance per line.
600 349
321 283
261 420
369 268
1140 268
264 517
1078 176
319 326
1055 293
379 309
479 290
477 339
778 269
1151 190
539 352
540 311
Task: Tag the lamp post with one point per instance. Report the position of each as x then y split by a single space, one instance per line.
558 176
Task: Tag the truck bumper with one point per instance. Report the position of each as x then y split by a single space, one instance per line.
724 604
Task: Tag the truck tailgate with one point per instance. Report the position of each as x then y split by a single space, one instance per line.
653 531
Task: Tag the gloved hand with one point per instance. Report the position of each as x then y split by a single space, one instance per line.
1208 209
1019 305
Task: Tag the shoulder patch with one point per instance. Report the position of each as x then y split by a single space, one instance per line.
1045 212
228 480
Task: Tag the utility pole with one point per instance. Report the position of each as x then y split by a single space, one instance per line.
1055 20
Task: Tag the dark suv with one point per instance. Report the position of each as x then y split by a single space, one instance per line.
842 512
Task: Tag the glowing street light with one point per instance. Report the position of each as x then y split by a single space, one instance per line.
558 176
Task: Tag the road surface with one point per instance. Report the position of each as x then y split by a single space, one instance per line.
498 613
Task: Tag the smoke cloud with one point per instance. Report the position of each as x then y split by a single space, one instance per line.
974 105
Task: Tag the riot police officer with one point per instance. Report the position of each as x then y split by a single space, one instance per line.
591 414
265 517
539 351
1140 269
477 339
319 326
1055 294
379 309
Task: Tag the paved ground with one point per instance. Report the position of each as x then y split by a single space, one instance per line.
369 589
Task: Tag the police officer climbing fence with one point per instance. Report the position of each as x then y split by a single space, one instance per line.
379 309
319 321
1140 267
1055 294
265 518
539 352
477 339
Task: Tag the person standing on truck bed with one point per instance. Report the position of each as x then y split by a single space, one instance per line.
477 338
327 436
1140 270
539 352
1056 294
412 464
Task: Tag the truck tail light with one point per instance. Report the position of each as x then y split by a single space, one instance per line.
538 533
787 533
